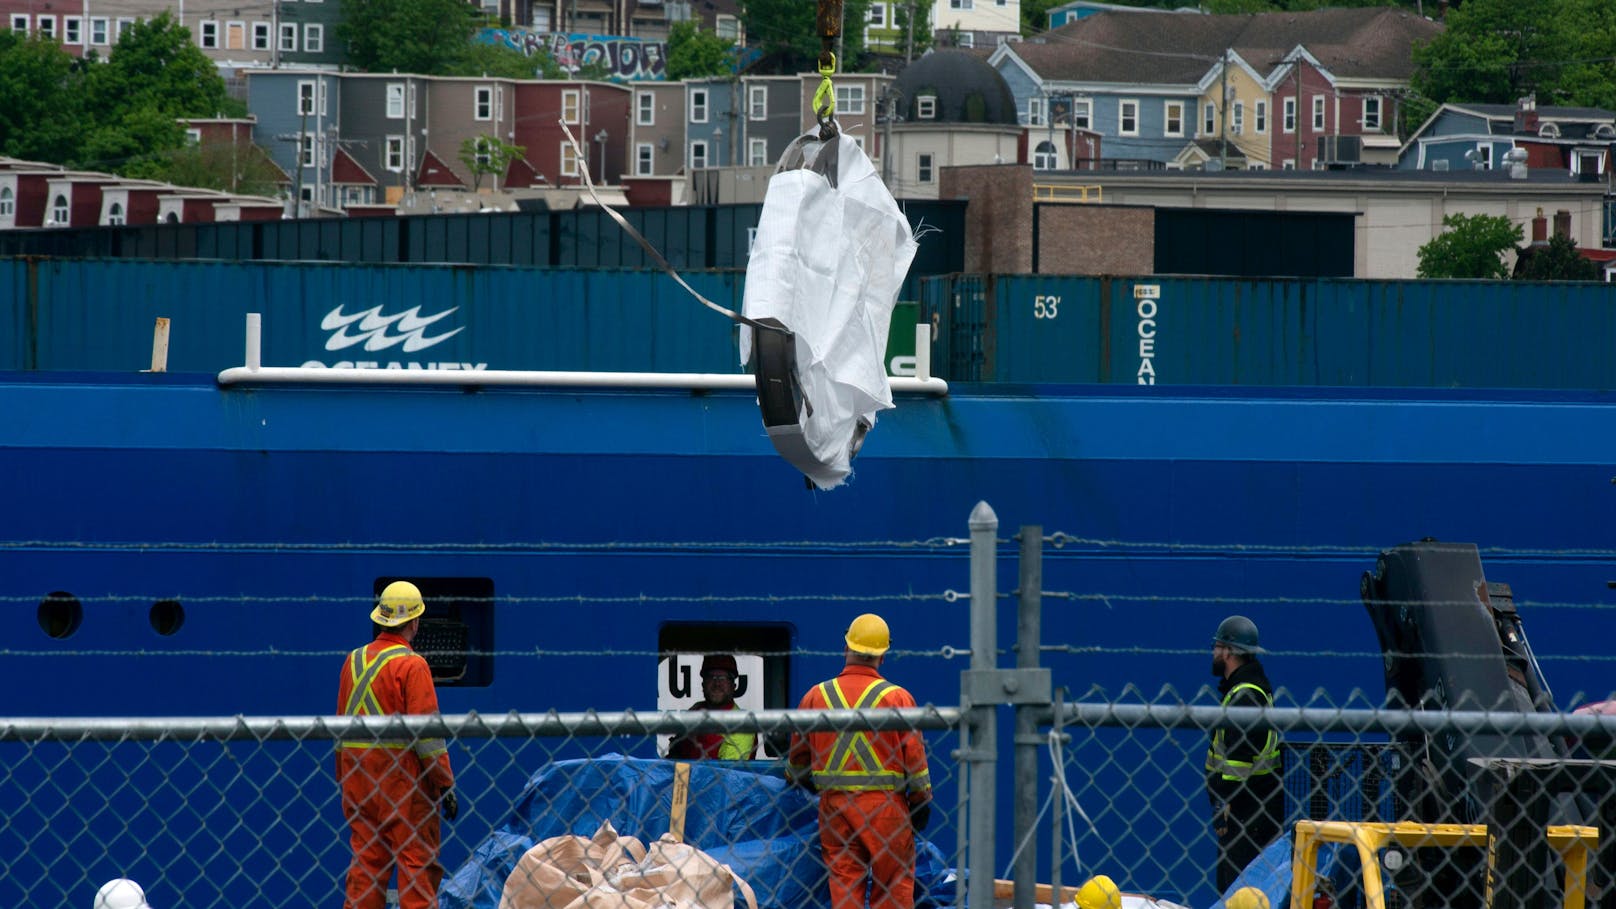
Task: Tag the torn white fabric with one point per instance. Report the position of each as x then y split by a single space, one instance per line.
828 262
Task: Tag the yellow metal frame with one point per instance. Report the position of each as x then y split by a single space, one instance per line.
1573 843
1061 192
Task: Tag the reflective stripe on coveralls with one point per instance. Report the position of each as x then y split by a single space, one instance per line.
362 702
1217 759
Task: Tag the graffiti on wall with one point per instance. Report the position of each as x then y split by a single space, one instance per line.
625 58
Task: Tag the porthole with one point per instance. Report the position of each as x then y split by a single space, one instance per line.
167 616
60 614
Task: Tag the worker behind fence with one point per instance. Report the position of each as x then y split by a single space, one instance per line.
1242 766
874 790
392 790
719 677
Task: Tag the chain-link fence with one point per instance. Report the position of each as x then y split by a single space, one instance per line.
1485 795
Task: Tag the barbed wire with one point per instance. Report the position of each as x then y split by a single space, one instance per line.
511 546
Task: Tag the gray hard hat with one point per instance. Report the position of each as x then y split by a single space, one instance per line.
1239 634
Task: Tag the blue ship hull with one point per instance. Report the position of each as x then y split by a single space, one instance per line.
601 517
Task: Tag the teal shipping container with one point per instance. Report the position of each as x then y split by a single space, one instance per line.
1272 332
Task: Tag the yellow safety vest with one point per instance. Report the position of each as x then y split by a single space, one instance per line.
362 702
837 772
1217 759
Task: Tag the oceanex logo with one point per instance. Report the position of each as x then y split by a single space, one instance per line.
406 331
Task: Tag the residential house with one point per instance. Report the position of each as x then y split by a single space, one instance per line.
1082 9
951 108
306 33
712 123
35 195
657 139
22 192
298 112
231 140
858 96
975 23
773 117
238 35
133 202
597 113
383 127
1573 140
1182 91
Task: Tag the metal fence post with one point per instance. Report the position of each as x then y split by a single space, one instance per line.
1029 636
980 757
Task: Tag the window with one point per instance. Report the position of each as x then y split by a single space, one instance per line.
1173 118
1484 156
965 39
1035 111
727 27
235 35
1209 119
395 153
1256 165
1259 117
878 15
960 4
1288 125
115 214
482 150
923 167
1318 113
850 99
644 156
1081 113
1289 164
305 98
572 106
314 38
1128 118
193 137
926 107
72 30
645 109
1371 114
8 202
124 25
1238 125
1043 157
209 34
260 36
483 103
19 22
59 212
757 152
307 146
288 36
698 154
569 160
47 26
757 102
395 100
98 31
698 105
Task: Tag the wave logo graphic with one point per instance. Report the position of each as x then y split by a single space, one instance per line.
379 332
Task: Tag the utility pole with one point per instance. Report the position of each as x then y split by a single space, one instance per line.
909 44
886 140
1049 119
1296 71
1223 114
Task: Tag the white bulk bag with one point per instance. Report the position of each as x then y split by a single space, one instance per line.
827 262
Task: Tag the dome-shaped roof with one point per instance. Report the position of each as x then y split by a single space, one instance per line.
965 88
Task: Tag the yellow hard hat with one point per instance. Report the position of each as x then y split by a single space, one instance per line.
1099 892
399 602
1247 898
868 635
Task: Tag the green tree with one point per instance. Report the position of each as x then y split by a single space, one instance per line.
223 166
1499 50
156 65
1472 246
1559 261
785 33
694 53
500 61
922 30
38 119
487 155
407 36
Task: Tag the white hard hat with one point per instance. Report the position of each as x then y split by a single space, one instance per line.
121 893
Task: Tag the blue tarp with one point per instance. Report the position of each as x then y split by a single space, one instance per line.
1270 872
742 814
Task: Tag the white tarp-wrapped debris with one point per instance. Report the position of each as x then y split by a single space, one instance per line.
827 263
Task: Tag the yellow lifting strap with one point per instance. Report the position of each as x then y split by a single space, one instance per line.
829 22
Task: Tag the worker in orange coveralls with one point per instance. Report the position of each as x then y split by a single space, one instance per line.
874 790
392 790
